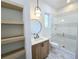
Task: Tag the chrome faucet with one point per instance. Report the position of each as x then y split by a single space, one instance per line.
36 35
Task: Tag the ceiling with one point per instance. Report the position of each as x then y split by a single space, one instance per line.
58 4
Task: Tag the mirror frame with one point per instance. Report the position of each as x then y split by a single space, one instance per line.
39 23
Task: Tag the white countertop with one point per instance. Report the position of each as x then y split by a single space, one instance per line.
39 40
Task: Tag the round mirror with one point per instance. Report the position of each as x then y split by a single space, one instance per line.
36 26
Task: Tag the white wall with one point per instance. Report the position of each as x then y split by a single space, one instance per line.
27 29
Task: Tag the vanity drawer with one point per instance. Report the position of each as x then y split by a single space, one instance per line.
46 43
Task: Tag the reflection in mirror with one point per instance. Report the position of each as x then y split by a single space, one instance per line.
36 27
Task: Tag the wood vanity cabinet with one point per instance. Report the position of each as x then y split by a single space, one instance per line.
41 50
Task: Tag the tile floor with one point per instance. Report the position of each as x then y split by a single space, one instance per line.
59 54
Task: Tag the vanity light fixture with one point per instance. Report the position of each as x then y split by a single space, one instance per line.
37 10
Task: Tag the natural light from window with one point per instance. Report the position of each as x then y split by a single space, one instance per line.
46 20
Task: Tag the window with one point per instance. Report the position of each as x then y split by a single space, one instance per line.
46 20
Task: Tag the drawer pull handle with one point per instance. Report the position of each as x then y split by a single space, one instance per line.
42 44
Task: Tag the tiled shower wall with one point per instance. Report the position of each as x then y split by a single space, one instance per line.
65 32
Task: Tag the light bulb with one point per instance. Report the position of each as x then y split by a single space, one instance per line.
37 12
68 1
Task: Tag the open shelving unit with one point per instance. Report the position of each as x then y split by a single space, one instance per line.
15 55
11 5
9 22
12 39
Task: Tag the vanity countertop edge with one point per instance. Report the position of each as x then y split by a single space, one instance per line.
34 42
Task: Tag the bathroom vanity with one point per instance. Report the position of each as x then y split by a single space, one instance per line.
40 45
40 49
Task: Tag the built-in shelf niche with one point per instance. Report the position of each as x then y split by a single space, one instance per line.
12 44
11 5
12 31
19 54
10 16
12 23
